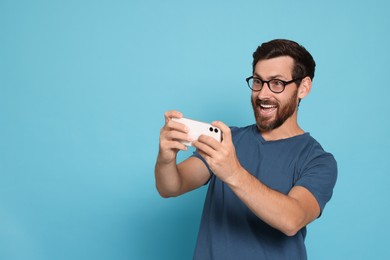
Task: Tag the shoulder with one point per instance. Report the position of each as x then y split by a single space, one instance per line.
317 170
310 153
315 150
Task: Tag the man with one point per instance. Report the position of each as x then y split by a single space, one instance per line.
267 181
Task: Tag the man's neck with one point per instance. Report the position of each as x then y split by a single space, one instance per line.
289 128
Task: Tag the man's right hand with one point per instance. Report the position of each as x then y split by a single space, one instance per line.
173 180
170 136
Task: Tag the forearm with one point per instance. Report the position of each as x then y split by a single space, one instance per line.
168 180
280 211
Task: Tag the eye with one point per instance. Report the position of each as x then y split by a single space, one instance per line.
257 81
277 83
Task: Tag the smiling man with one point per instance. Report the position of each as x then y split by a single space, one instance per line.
267 181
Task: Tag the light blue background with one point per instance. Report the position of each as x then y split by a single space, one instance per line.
83 89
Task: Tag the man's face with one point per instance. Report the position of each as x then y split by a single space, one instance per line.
272 110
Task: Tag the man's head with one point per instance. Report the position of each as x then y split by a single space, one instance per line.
304 64
282 74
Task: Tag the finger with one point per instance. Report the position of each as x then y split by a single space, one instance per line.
176 145
210 141
204 147
177 135
226 133
174 125
168 115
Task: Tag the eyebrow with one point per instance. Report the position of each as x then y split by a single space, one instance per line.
277 76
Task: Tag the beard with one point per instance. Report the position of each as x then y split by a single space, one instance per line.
283 112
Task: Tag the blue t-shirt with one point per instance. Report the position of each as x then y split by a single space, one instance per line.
230 230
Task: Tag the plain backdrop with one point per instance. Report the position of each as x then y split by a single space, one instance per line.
83 89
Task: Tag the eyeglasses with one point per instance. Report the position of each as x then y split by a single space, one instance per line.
275 85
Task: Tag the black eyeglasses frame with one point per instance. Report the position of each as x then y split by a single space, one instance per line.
285 83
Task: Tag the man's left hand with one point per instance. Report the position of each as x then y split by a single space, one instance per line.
220 156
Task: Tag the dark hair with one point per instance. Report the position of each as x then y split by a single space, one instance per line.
304 64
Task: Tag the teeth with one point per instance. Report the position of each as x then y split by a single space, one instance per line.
267 106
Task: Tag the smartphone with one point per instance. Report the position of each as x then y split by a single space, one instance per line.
197 128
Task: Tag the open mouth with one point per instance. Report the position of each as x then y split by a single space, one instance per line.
266 108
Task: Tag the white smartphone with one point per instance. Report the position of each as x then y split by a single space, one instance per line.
198 128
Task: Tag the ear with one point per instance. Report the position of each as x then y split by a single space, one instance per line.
304 88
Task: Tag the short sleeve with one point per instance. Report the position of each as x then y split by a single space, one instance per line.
319 175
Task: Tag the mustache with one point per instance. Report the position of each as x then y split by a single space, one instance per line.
265 102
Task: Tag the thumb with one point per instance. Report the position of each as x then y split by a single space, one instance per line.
226 134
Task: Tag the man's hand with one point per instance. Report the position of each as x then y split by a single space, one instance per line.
221 157
170 135
171 179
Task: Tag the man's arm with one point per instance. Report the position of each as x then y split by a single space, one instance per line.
287 213
171 179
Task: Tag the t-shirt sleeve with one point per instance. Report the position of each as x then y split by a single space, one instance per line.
197 155
319 175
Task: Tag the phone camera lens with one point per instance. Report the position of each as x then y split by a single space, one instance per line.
216 130
211 129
